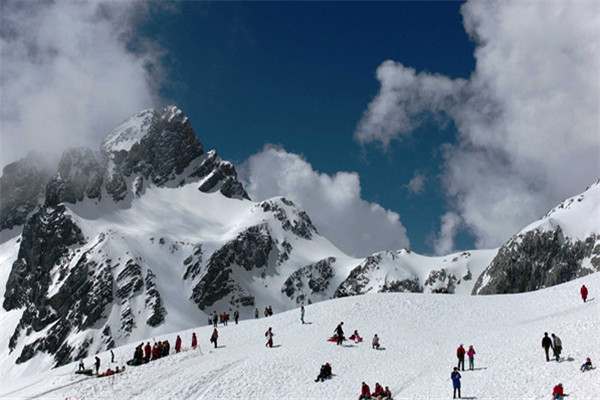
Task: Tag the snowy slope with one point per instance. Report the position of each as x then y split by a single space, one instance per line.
419 332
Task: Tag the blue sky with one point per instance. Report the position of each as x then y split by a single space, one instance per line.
439 126
300 75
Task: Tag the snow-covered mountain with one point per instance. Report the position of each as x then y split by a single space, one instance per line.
563 245
150 234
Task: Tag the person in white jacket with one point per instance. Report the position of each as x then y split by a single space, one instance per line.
557 346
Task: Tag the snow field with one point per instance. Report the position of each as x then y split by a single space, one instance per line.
420 334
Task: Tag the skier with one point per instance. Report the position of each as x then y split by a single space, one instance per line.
375 343
340 333
302 314
558 392
324 373
471 355
455 376
586 366
256 313
214 337
584 293
557 346
177 344
194 341
365 392
269 335
546 344
236 316
97 364
460 354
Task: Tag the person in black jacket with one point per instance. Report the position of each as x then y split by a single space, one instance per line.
325 373
546 344
340 333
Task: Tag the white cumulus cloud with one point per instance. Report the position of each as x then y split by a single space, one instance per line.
333 202
70 72
527 118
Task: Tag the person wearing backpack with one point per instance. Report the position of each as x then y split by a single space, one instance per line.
269 335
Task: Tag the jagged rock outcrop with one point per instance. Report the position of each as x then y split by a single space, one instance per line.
298 222
538 259
310 279
370 276
250 250
22 188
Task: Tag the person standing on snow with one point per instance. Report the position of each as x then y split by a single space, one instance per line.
460 354
584 293
546 344
194 340
340 333
455 376
215 319
302 314
557 346
97 364
471 355
147 350
177 344
236 316
269 335
214 337
256 313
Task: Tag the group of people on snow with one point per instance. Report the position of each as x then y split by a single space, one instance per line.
379 393
460 354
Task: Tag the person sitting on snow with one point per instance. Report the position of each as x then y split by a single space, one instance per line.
378 393
325 373
558 392
365 392
387 394
356 337
376 342
587 365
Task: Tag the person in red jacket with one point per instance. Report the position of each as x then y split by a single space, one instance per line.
365 393
557 393
147 350
194 341
178 344
378 393
460 354
584 293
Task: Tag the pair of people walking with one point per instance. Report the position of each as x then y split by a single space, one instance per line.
555 344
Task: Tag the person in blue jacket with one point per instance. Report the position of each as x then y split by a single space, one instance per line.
455 376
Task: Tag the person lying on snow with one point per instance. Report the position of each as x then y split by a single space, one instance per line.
325 373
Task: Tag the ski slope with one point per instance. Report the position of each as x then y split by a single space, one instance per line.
420 334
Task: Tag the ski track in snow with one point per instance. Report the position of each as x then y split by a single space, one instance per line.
420 333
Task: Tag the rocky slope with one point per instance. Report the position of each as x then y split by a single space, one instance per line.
563 245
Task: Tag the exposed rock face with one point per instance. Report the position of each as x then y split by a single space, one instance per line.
538 259
22 188
371 276
80 173
250 250
298 223
310 279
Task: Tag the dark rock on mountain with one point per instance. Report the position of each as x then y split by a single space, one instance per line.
537 259
249 250
22 188
440 281
153 301
80 173
220 175
299 223
309 280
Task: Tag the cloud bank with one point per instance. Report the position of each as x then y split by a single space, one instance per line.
70 72
334 203
527 118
